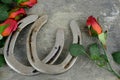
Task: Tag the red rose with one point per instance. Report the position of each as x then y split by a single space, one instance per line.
17 13
8 27
29 3
93 25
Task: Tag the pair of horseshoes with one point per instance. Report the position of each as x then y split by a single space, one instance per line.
47 64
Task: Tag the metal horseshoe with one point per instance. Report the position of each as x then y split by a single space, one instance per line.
49 68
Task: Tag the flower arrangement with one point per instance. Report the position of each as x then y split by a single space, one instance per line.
94 53
11 11
10 15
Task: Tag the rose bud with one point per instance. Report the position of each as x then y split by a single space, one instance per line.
96 30
17 13
28 3
93 26
8 27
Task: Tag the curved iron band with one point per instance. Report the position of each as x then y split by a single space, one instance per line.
57 49
9 48
55 52
10 43
48 68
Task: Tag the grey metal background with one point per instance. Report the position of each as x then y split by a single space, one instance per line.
60 13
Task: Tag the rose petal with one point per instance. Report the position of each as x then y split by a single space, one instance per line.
91 21
17 13
29 3
12 27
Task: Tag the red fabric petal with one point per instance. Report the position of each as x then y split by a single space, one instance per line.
17 13
12 27
91 21
29 3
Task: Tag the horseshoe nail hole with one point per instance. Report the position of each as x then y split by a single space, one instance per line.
52 59
34 71
55 47
69 63
78 40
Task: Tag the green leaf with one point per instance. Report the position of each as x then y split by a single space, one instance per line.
4 7
2 28
101 62
102 37
116 57
104 56
7 1
94 51
20 1
3 15
2 60
76 49
2 42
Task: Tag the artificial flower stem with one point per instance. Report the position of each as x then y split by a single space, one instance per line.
87 55
111 69
98 65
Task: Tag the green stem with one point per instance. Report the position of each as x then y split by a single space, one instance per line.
111 69
108 69
98 65
87 55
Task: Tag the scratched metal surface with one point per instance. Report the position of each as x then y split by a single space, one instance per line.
60 13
